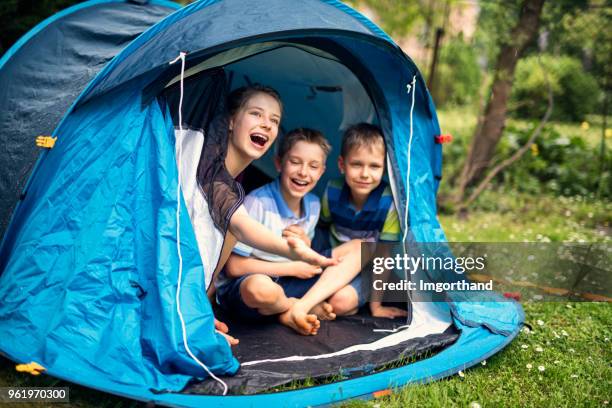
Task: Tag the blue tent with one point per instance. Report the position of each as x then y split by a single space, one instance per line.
89 265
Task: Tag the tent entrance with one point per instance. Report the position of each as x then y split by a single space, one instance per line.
319 92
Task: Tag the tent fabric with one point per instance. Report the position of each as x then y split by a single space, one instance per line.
32 104
94 240
206 24
109 256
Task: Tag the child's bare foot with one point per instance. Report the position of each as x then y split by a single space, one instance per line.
232 341
222 329
324 311
388 312
302 322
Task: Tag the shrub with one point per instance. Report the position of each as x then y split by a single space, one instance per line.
575 92
561 164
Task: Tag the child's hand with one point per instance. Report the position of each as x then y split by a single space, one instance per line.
298 232
378 310
299 250
304 270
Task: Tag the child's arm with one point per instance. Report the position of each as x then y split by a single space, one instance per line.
238 266
254 234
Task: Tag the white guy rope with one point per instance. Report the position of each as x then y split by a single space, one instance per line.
410 88
181 57
413 89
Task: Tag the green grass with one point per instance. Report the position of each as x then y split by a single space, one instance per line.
574 339
514 217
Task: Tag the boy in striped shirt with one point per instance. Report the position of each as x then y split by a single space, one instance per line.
360 206
255 283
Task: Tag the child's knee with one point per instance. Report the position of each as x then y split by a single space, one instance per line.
344 301
259 290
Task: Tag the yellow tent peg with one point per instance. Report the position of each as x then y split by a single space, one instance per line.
46 141
32 368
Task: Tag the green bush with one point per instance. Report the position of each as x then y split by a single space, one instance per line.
458 75
561 164
575 92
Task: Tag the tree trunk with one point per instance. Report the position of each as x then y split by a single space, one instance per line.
490 130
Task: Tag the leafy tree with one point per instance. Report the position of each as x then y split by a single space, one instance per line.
491 128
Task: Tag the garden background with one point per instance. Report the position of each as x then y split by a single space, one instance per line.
523 86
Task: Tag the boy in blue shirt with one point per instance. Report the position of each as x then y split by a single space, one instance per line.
256 283
360 206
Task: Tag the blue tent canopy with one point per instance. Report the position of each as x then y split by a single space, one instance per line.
89 265
43 73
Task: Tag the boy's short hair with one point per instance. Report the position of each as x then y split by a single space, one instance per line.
361 134
302 134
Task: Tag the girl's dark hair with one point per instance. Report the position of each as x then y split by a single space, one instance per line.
239 97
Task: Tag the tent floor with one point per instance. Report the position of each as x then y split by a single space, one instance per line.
265 347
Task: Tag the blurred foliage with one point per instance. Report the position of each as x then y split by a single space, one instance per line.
558 163
19 16
495 22
458 75
576 92
563 161
396 17
581 28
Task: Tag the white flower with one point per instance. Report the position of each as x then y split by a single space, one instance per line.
483 362
563 332
574 376
557 362
524 346
541 368
376 406
571 350
538 297
540 323
529 366
474 405
539 349
568 305
607 339
526 330
461 374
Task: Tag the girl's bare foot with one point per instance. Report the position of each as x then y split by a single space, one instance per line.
324 311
